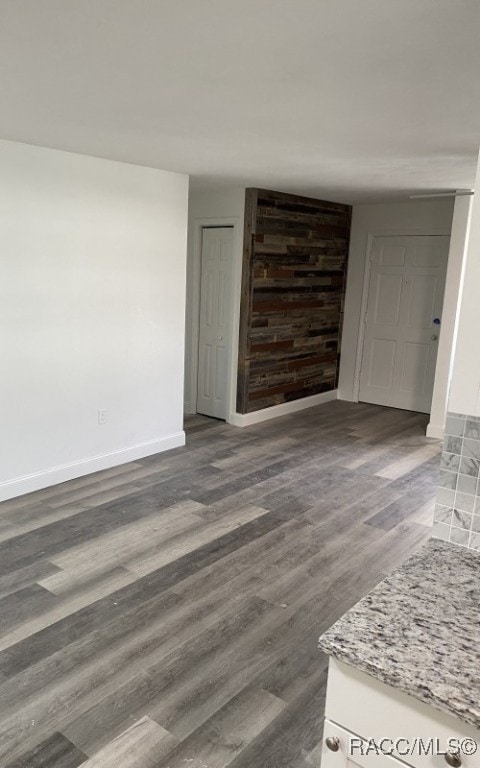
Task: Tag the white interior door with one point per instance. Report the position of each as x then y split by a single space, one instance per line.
405 298
214 333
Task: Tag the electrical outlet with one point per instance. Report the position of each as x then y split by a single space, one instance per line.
102 416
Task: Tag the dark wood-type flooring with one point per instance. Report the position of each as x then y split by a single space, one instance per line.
166 612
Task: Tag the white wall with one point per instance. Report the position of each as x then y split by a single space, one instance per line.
465 384
451 306
412 217
92 298
207 208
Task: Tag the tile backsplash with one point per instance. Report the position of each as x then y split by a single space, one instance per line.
457 507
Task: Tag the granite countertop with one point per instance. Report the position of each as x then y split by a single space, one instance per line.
419 630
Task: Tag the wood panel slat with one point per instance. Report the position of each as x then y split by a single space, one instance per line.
293 286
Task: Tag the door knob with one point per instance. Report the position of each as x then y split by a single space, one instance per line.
434 338
220 338
333 743
453 759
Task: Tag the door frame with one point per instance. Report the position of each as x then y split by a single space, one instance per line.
366 285
198 226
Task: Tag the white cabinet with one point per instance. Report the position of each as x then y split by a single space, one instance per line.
376 726
349 751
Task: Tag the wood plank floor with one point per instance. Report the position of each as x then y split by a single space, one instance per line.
165 613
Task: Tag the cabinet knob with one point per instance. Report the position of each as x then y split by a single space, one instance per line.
333 743
453 759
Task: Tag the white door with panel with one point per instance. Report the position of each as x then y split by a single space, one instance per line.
214 327
402 325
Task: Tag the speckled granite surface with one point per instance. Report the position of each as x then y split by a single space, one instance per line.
419 630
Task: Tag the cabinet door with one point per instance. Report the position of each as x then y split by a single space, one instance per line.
365 706
351 752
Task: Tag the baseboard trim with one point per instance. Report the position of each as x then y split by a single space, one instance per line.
435 430
10 489
246 419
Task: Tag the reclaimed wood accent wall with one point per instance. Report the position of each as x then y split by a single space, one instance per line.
293 286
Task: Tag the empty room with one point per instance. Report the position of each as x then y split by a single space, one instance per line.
240 384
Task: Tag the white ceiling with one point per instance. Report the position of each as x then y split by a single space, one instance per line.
344 99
